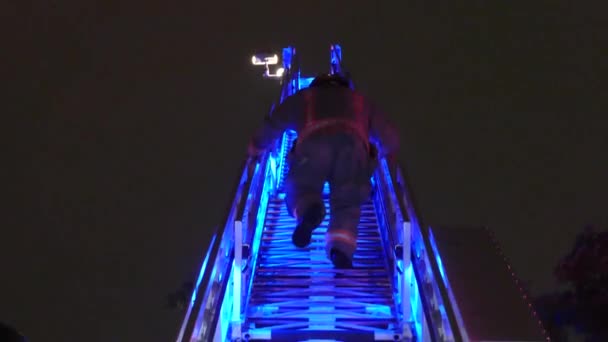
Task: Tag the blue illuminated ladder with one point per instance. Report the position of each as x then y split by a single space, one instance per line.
254 285
295 289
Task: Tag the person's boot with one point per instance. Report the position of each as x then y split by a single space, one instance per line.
340 259
312 218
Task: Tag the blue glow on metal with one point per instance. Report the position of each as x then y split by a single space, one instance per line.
305 82
438 257
323 310
201 328
220 267
423 267
259 225
226 309
415 301
336 54
287 55
273 166
438 314
335 58
201 273
237 274
444 277
231 306
286 304
282 152
203 269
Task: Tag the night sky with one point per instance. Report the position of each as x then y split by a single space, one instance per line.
126 124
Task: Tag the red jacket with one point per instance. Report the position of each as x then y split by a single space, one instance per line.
314 109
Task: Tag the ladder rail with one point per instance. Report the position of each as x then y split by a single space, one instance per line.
448 328
230 262
203 278
252 218
399 215
337 66
251 212
397 236
202 315
202 318
398 229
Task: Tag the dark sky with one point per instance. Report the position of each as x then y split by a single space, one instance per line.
126 123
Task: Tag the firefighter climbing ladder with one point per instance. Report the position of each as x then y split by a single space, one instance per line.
254 285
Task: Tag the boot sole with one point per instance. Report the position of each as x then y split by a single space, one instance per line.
302 235
340 260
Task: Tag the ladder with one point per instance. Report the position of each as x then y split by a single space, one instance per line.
254 285
298 294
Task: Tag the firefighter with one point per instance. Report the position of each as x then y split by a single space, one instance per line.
337 132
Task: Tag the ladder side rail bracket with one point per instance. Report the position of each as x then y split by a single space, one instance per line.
205 298
411 296
445 324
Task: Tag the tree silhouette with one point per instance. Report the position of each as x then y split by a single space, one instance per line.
582 308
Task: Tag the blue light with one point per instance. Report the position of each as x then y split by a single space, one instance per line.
226 309
325 310
305 82
415 300
272 161
259 223
202 271
336 54
237 275
444 277
324 304
287 54
282 152
335 58
438 258
233 294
